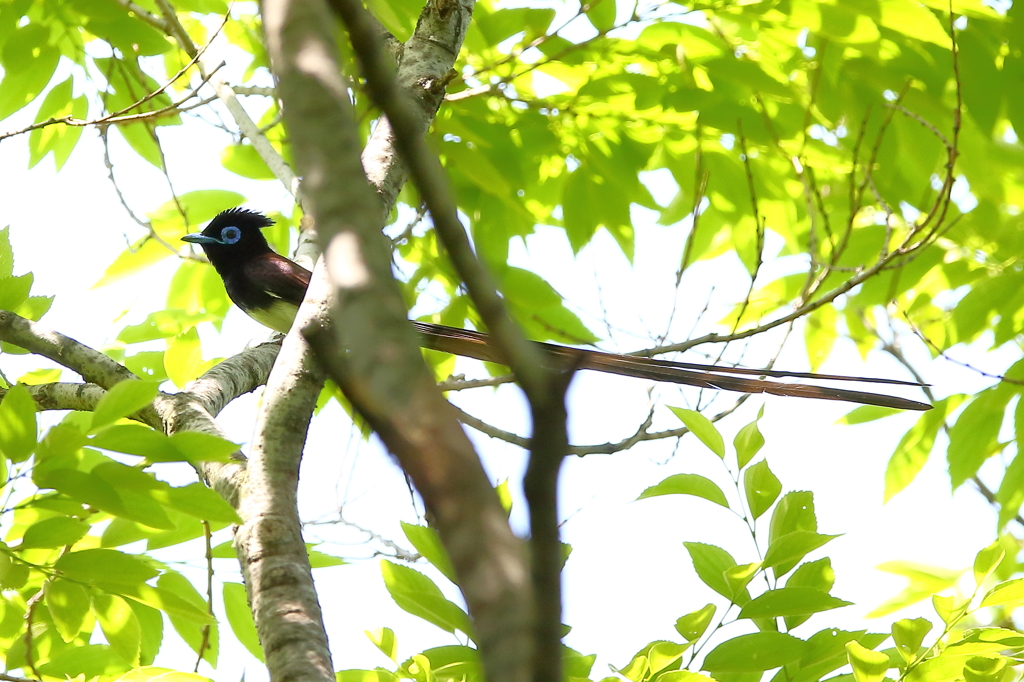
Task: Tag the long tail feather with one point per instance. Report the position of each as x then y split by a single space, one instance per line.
472 344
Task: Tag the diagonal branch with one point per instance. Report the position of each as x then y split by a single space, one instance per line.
544 388
275 162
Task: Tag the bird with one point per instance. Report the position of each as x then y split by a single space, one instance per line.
269 288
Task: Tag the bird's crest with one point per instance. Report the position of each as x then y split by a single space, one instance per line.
242 218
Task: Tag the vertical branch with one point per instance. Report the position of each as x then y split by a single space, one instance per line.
548 447
522 357
371 350
205 643
275 565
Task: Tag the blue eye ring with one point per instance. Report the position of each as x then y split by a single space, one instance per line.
230 235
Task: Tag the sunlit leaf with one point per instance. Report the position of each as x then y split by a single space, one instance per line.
703 428
121 400
761 488
236 606
428 543
868 665
68 604
754 652
687 484
417 594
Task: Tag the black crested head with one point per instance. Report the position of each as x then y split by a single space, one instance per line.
232 237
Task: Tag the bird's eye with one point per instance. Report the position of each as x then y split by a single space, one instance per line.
230 235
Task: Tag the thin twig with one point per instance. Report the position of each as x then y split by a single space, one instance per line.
30 610
205 643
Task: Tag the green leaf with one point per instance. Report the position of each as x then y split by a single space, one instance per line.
912 452
147 365
195 634
200 206
908 634
868 665
107 566
711 563
761 488
58 531
428 543
915 21
1010 592
417 594
194 446
384 639
183 359
867 413
754 652
748 442
92 489
151 626
795 511
162 599
137 257
236 607
162 324
1010 495
201 502
89 661
738 577
6 254
975 435
68 604
681 676
987 641
17 424
26 78
687 484
14 291
701 427
540 309
57 138
323 560
574 664
121 400
949 608
580 217
985 669
601 14
34 307
693 625
791 548
139 440
820 335
817 574
244 160
120 625
790 601
987 561
664 656
813 574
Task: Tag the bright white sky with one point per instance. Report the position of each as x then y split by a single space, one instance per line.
629 577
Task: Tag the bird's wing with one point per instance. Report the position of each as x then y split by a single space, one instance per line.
474 344
279 277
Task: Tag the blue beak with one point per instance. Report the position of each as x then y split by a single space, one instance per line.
200 238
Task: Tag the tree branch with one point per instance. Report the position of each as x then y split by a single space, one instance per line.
275 162
278 577
381 368
543 387
522 357
424 68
